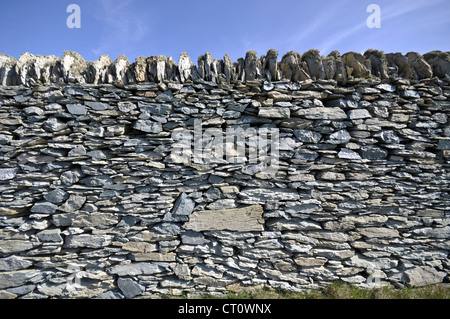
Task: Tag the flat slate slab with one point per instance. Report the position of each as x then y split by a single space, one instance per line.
237 219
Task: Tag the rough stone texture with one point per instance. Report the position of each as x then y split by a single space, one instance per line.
239 219
97 202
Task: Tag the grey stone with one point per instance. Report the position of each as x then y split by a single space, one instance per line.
50 235
274 112
19 278
423 276
76 109
193 238
388 137
339 137
14 263
307 136
378 232
331 176
8 246
444 145
251 195
373 153
348 154
140 268
87 240
7 173
97 106
129 287
54 125
44 208
148 126
238 219
85 219
73 204
358 114
78 151
281 224
323 113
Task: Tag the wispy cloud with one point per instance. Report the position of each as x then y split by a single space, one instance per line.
392 10
121 27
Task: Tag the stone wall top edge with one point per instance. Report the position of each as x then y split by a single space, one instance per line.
31 70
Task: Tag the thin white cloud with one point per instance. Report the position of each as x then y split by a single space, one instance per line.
121 28
393 10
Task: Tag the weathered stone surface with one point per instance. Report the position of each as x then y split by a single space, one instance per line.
260 196
134 269
93 191
378 232
7 173
87 240
422 276
148 126
44 208
323 113
274 112
331 176
8 246
19 278
239 219
129 287
73 204
184 205
78 219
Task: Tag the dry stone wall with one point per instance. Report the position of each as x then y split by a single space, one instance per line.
95 202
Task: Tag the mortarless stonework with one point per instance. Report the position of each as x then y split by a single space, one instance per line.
94 203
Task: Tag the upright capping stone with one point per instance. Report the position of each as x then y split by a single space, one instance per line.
140 69
97 71
25 68
228 69
400 62
290 66
420 67
252 66
171 70
118 70
156 68
186 69
334 67
239 69
314 61
356 65
205 67
73 67
8 72
270 66
440 62
378 63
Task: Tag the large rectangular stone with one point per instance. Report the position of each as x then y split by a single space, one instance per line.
274 112
238 219
323 113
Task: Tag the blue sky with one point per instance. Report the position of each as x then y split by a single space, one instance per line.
144 28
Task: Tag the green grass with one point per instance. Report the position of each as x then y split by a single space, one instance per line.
340 290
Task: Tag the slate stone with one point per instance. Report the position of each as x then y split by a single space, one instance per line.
148 126
184 205
129 287
238 219
373 153
348 154
44 208
7 173
76 109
